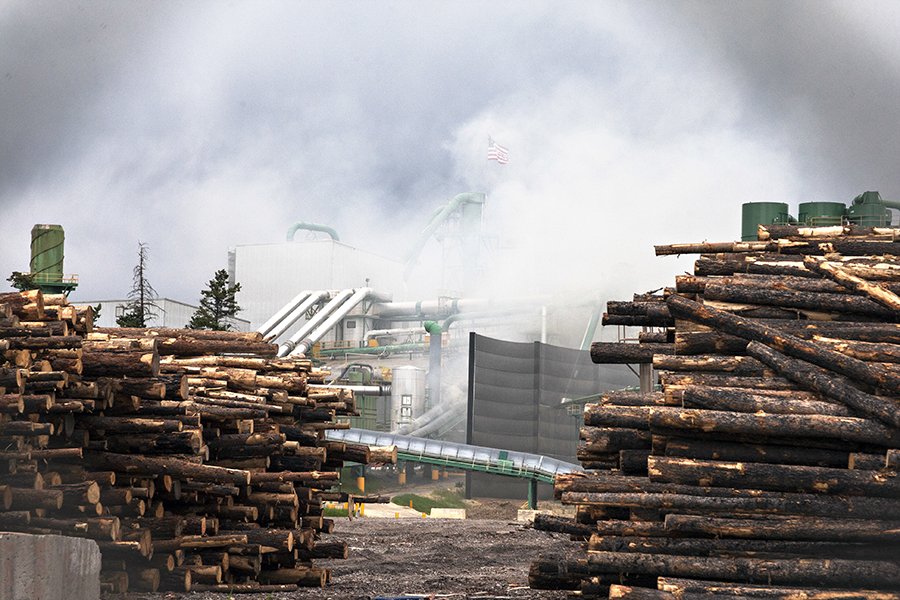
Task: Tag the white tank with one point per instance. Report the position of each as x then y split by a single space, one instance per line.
407 394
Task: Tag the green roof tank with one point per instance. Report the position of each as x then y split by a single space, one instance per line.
754 214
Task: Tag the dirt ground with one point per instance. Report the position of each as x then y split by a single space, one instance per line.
483 557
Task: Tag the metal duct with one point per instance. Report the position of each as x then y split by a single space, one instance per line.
269 325
298 311
292 230
333 305
336 313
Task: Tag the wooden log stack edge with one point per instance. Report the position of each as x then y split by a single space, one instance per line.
766 463
196 459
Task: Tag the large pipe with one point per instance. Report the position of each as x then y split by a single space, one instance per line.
434 361
412 253
269 325
311 227
337 313
334 304
298 311
391 332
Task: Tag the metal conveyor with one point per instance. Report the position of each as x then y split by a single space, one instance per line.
460 456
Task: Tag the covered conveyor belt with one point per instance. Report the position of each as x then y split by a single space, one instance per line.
460 456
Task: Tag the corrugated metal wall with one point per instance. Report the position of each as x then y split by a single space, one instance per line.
515 391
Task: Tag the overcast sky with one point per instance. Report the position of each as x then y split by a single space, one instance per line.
196 126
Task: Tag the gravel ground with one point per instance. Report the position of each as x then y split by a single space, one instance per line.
446 558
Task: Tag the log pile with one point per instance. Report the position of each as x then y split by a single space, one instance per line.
765 464
195 459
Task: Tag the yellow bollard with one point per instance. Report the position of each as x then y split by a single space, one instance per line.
410 503
444 474
435 474
401 479
362 509
361 483
397 515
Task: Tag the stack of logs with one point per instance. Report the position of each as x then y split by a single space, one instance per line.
195 459
766 462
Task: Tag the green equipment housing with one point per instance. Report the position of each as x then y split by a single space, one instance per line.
867 210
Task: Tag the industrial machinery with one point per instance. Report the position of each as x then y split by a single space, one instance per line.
868 210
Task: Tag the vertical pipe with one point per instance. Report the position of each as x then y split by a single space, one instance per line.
543 324
434 362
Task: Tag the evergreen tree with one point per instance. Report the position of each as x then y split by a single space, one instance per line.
142 305
22 281
217 304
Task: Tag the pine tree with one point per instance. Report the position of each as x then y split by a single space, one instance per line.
217 304
142 298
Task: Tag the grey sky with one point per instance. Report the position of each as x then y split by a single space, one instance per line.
194 126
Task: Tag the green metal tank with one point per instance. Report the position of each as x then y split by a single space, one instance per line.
754 214
47 253
821 214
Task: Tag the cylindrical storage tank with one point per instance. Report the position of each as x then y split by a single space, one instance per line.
407 394
754 214
47 253
821 214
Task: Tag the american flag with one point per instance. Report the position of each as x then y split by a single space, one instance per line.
497 152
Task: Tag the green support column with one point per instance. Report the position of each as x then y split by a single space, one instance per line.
532 494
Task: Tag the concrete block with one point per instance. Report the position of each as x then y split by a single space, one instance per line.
448 513
48 567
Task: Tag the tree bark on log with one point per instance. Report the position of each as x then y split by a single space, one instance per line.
863 431
874 292
810 505
811 572
814 301
871 374
628 417
819 380
148 465
765 453
747 401
736 365
778 478
737 590
803 528
627 353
